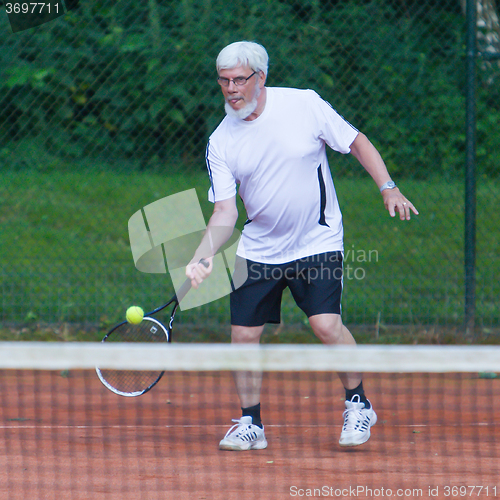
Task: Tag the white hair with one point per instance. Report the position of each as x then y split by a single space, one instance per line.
244 53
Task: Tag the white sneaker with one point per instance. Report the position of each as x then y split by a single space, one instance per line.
243 435
357 423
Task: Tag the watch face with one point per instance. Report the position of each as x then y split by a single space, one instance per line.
388 185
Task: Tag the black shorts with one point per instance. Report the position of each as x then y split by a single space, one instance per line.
315 283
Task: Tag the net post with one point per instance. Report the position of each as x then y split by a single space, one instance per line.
470 173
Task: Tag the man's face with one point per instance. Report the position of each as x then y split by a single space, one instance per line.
241 99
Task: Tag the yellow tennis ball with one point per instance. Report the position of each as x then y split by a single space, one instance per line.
134 315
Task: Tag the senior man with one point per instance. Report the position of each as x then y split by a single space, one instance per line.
271 148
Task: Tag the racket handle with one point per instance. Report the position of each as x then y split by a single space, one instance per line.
186 286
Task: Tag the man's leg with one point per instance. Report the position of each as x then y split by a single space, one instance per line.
248 383
256 302
248 433
359 415
331 331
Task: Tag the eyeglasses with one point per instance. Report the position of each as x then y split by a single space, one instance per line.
239 80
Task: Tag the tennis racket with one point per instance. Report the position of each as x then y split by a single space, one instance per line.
150 330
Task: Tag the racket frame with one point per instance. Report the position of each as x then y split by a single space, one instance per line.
106 384
181 293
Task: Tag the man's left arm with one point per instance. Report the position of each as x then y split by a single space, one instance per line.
370 158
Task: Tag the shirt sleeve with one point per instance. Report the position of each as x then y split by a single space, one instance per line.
334 129
222 181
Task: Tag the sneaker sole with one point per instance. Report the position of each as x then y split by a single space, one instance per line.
357 443
233 447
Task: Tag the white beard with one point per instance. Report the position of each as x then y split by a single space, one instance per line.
243 112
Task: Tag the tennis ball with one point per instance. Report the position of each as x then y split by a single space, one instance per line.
134 315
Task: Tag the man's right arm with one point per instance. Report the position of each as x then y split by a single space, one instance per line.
219 229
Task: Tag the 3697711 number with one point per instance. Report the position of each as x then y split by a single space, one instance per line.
32 8
469 491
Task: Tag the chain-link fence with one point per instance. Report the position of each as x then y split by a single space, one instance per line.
109 108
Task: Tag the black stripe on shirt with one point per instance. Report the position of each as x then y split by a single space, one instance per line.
210 170
322 198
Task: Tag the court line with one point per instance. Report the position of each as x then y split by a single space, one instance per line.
277 426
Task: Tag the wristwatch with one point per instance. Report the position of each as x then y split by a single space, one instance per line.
388 185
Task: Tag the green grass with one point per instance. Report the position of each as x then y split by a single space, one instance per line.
67 270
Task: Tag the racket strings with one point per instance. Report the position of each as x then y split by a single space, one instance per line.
148 330
130 382
134 382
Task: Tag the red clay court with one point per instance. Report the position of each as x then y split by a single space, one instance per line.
65 436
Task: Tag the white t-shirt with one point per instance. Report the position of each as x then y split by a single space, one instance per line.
279 162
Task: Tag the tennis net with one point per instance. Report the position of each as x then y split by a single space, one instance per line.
63 435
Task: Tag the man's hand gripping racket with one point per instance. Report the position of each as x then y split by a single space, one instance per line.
136 383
